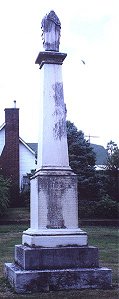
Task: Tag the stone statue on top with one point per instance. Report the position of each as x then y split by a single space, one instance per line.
51 28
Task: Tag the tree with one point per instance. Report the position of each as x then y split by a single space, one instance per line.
115 159
111 147
4 194
113 169
82 161
112 155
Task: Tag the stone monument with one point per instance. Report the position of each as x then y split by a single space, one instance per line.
54 254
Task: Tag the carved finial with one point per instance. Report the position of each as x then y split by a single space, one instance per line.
51 27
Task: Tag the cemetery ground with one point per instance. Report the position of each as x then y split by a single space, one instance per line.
104 237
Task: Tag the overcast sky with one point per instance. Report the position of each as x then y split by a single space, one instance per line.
90 32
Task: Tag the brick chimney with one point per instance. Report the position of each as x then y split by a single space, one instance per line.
10 155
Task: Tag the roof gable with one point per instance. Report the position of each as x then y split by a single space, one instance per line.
27 146
33 146
2 126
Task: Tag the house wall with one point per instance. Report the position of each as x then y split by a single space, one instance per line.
26 157
26 160
2 140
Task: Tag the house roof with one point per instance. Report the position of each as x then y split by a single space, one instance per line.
30 148
2 126
100 167
27 145
33 146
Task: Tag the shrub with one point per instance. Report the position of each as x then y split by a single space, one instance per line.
14 195
4 195
104 208
87 209
107 208
24 198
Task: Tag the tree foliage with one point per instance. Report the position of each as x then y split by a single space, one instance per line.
92 185
113 170
82 161
4 195
81 154
113 156
106 208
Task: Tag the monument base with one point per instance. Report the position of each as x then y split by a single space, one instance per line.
64 268
39 258
54 237
26 281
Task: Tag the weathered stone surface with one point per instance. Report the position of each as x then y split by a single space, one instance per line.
51 31
54 207
50 57
36 239
60 195
56 258
52 151
25 281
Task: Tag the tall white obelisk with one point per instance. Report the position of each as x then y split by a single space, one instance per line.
53 254
54 201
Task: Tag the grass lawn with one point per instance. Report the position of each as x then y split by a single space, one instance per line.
105 238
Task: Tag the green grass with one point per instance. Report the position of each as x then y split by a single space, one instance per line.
105 238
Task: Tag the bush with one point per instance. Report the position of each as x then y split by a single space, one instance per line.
14 195
24 198
102 209
87 209
107 208
4 195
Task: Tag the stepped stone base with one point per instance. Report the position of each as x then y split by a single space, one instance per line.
74 237
25 281
56 258
44 269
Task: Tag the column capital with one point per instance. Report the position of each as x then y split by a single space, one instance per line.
50 57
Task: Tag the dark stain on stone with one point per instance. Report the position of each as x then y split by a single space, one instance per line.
54 188
59 129
58 94
55 215
50 46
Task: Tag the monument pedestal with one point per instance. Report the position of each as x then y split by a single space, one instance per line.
54 210
64 268
54 254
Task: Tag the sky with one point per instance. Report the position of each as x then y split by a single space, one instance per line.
89 32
